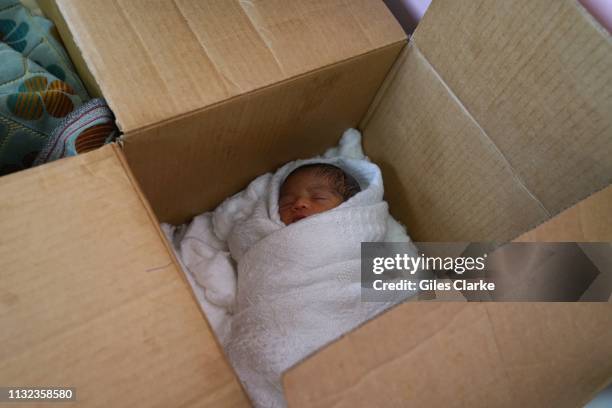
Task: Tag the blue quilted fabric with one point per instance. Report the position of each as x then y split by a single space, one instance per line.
38 85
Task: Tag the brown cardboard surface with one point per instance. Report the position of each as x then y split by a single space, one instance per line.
463 354
497 118
588 221
390 360
443 177
91 298
189 54
536 77
189 165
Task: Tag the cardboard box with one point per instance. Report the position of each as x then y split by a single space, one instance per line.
198 79
494 118
91 298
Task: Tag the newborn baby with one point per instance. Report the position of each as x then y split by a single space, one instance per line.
298 255
281 262
312 189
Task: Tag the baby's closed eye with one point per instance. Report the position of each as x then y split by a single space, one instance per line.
285 200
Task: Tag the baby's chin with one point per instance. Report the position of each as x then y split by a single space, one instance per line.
298 218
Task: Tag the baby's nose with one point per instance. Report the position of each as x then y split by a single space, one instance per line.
301 203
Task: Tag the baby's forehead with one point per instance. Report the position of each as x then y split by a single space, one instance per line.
308 178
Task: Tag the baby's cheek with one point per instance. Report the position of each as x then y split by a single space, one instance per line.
284 216
333 205
322 208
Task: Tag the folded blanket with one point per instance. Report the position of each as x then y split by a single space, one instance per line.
86 128
39 89
298 286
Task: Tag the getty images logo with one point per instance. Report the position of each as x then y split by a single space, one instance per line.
412 264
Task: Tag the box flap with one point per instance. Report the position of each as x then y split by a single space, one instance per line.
588 221
497 118
223 148
189 54
443 177
91 298
537 78
463 354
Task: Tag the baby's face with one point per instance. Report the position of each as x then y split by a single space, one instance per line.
304 194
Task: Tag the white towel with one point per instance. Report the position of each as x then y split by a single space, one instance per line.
298 286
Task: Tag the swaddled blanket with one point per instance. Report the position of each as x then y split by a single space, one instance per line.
298 286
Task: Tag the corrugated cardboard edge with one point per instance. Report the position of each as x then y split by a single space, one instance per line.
398 44
153 219
382 91
136 187
145 203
